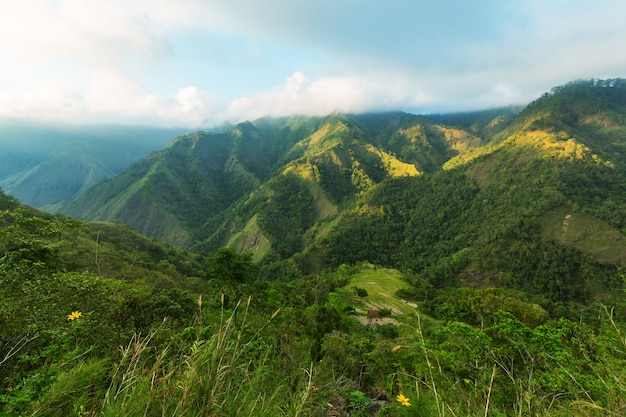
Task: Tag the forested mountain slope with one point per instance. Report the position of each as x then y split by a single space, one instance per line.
542 207
96 319
497 201
206 188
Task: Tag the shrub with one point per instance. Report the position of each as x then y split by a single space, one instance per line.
389 331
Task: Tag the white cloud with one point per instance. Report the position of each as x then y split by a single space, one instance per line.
296 83
301 95
110 91
90 32
194 107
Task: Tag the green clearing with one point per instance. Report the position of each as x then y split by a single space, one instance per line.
381 285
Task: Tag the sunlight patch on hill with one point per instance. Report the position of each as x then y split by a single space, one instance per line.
251 240
587 234
459 140
393 165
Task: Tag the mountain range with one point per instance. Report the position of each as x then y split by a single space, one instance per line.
187 194
437 195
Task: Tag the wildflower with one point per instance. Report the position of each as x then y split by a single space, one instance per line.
74 315
403 400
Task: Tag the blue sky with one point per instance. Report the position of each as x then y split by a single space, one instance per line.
201 63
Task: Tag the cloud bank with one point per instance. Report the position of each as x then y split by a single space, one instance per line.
200 63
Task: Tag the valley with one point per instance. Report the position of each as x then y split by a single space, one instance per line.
234 272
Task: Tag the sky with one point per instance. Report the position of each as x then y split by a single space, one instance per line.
205 63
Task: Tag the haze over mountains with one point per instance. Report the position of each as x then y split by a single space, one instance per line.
42 164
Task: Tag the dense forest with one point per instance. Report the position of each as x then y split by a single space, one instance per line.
371 265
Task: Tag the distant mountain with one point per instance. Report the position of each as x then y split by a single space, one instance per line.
44 164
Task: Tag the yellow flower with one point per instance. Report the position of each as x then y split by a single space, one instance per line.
403 400
74 315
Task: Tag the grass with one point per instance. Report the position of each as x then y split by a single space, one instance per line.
381 285
393 165
228 373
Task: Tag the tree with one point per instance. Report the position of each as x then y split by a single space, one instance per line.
360 292
228 265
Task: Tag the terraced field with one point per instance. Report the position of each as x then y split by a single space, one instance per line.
381 285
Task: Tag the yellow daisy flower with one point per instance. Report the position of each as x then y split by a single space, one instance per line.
74 315
403 400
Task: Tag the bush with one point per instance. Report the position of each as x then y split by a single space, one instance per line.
389 331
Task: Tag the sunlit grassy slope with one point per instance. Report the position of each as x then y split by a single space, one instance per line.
587 234
381 285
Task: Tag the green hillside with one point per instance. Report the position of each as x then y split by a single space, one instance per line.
497 213
381 286
205 188
399 190
100 320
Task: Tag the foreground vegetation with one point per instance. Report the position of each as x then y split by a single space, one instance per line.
487 282
162 343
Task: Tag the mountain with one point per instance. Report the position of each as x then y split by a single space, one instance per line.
98 318
42 165
184 193
540 206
